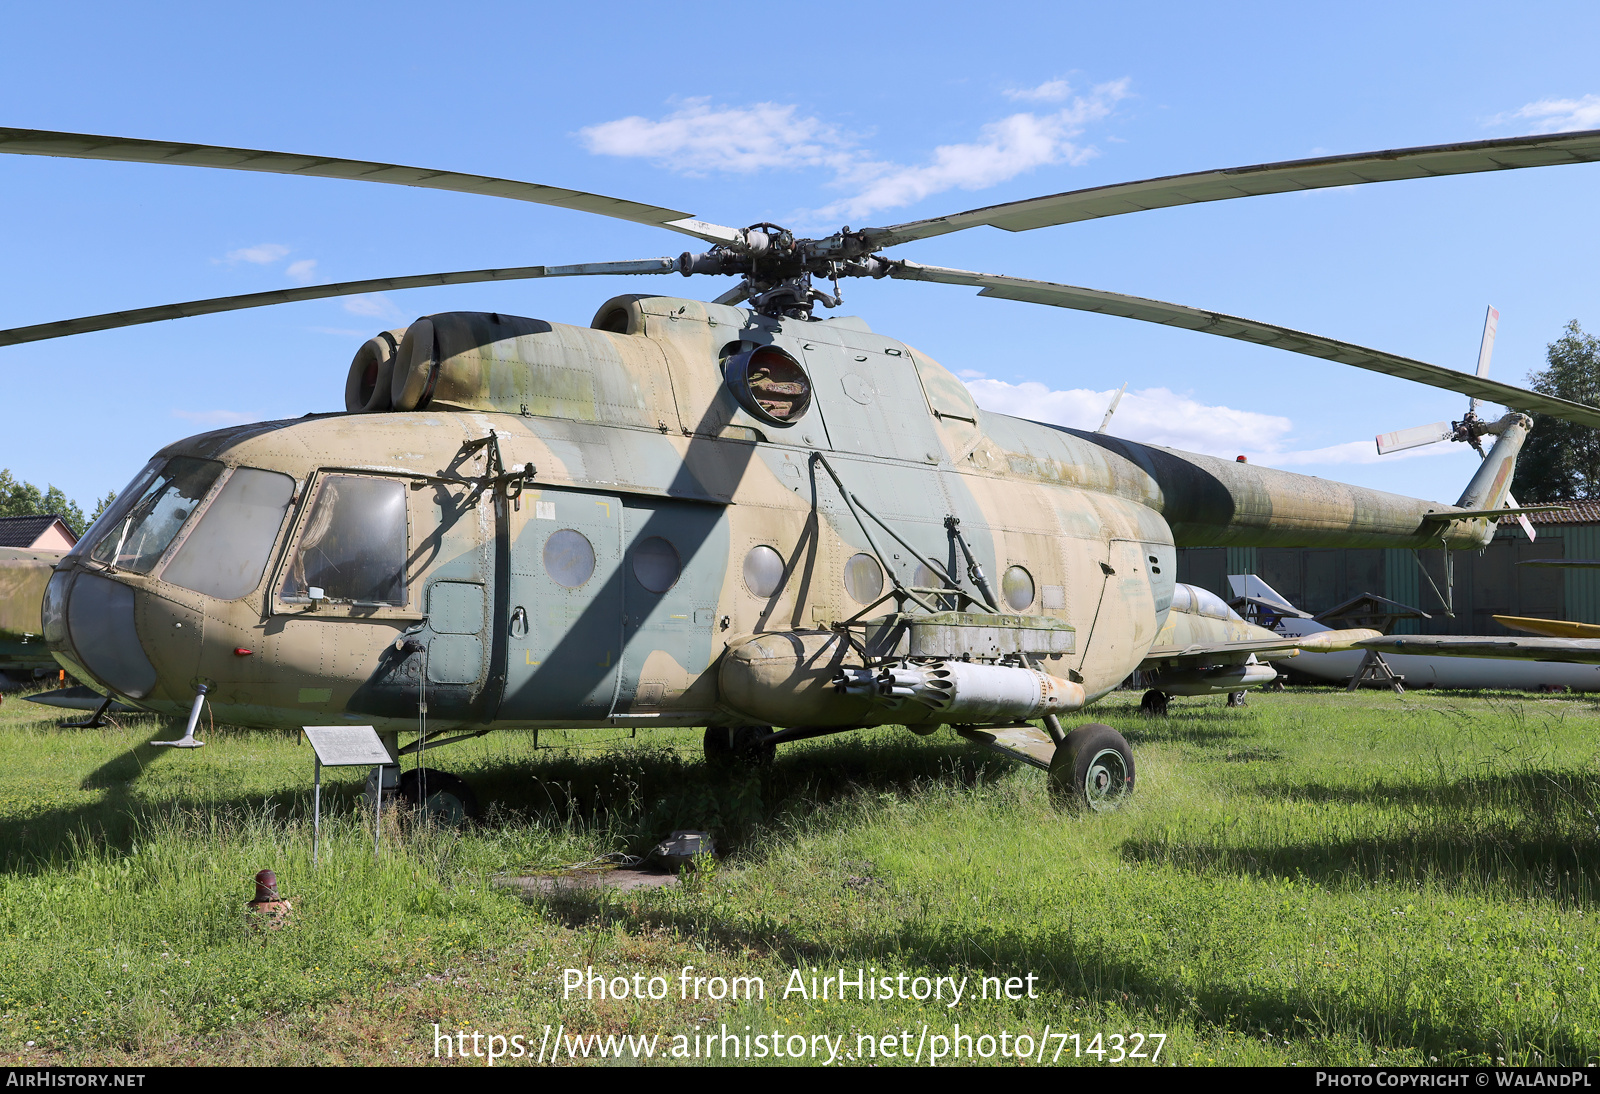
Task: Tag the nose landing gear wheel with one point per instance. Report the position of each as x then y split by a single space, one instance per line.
443 798
1092 769
1236 698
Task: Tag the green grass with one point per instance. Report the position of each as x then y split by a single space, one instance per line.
1314 878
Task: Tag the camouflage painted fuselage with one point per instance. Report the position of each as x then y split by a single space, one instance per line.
634 436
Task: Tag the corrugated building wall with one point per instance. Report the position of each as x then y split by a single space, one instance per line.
1480 584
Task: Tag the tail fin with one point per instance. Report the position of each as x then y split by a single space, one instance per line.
1492 483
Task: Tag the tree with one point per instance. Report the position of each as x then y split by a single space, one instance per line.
1561 460
23 499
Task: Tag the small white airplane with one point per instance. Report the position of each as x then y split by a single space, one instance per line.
1434 660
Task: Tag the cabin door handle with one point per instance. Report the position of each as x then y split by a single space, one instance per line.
519 617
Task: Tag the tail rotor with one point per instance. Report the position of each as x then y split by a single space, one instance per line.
1471 429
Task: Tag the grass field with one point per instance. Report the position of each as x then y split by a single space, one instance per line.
1314 878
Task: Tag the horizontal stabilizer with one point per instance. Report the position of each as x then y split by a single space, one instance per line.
1495 514
1415 437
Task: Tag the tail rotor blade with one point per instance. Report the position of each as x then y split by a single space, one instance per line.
1415 437
1112 409
1522 518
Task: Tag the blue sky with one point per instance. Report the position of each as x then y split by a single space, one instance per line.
862 113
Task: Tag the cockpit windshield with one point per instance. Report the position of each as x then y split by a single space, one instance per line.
138 535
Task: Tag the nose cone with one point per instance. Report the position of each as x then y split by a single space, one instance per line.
89 625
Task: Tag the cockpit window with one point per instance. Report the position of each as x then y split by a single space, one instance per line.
136 541
1193 600
354 544
225 554
119 507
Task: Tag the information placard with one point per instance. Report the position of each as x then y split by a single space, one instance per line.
347 746
344 746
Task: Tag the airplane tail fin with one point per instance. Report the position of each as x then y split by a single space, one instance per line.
1252 590
1491 485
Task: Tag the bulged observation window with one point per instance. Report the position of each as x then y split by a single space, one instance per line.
354 544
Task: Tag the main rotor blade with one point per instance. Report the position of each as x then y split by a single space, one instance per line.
85 146
1491 323
1248 330
1265 178
64 327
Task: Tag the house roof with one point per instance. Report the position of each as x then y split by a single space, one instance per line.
25 531
1583 511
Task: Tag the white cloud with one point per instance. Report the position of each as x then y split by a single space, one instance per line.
1556 115
1051 91
698 138
375 304
303 271
1006 149
216 417
1164 417
261 254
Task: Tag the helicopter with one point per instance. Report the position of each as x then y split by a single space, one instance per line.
736 514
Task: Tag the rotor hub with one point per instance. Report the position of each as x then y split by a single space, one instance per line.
778 268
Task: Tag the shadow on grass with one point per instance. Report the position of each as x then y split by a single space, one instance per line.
1528 832
1496 859
633 796
1568 794
1200 727
1079 964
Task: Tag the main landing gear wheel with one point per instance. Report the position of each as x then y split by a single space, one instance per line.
1154 704
745 746
1236 698
443 798
1092 769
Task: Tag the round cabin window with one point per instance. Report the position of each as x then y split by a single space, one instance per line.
568 558
863 578
763 571
656 564
925 578
1017 588
769 384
